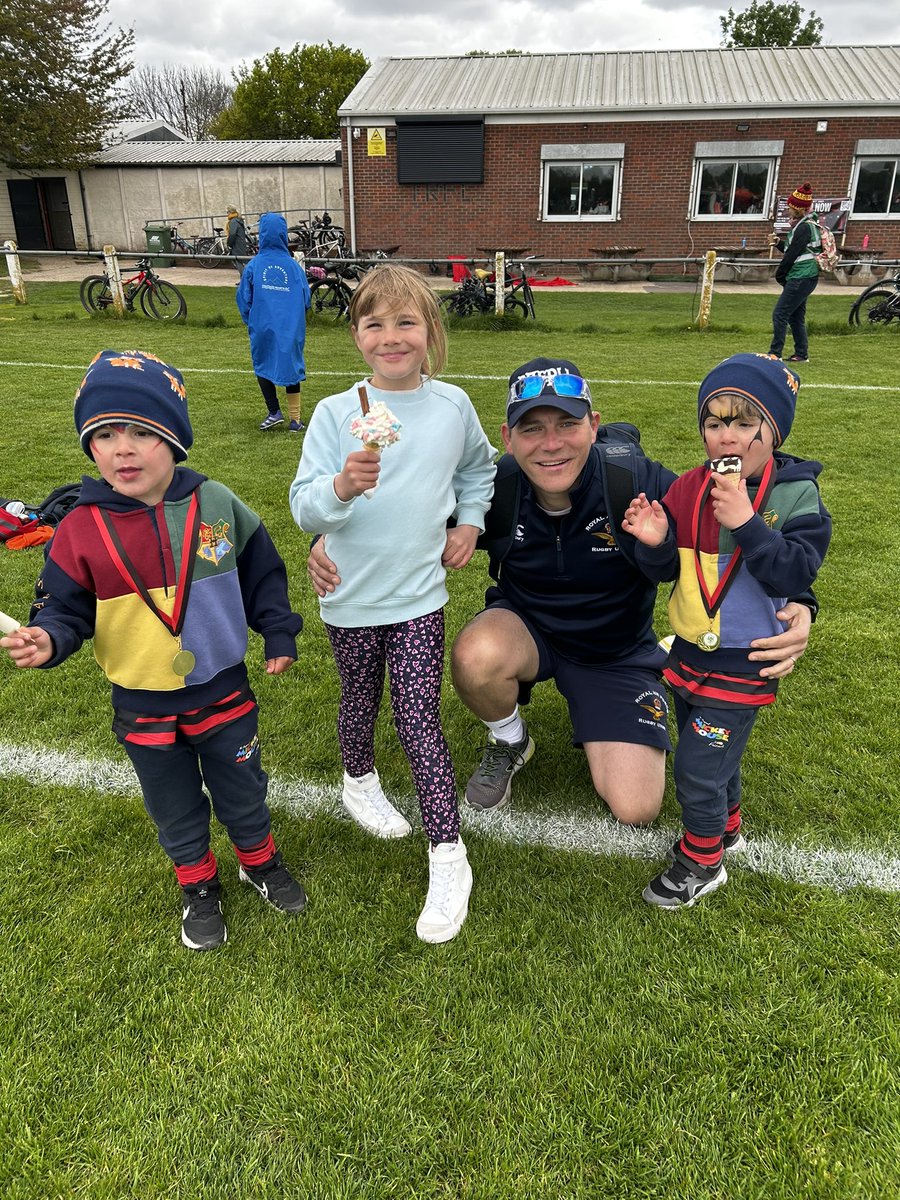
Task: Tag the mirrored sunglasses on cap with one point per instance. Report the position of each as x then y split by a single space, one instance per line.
530 386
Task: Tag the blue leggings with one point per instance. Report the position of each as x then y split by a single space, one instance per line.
413 654
707 763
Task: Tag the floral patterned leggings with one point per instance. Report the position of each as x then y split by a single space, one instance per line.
413 652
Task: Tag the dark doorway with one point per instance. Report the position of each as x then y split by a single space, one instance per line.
41 214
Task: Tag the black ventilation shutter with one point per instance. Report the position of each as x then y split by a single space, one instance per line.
440 151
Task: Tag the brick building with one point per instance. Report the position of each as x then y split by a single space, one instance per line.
672 152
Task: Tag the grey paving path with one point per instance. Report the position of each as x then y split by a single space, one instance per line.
65 269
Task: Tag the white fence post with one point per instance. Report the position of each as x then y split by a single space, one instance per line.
114 275
709 276
499 282
14 267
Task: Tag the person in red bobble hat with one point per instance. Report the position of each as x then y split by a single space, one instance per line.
798 274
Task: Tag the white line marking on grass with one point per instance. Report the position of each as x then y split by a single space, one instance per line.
687 383
599 835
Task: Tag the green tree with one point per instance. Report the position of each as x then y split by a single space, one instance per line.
293 95
770 24
61 68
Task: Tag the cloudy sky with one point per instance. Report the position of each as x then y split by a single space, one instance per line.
225 33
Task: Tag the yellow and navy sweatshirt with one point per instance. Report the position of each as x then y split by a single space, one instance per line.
782 549
239 580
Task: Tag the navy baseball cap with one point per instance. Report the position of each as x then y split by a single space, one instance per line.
553 382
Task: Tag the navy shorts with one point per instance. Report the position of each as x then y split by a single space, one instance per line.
609 703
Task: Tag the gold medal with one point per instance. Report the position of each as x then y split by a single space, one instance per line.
183 663
708 640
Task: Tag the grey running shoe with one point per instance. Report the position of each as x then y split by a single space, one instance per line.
202 923
276 885
681 886
491 784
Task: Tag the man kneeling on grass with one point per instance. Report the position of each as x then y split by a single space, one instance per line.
164 568
572 606
738 535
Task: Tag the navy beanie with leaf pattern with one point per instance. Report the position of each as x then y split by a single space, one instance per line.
761 379
132 387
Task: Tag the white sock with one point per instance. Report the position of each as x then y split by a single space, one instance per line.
510 730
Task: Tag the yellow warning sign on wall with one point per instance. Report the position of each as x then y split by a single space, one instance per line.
377 144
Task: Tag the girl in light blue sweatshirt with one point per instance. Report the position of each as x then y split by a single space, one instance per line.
392 547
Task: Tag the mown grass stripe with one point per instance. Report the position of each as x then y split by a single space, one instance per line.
838 869
691 383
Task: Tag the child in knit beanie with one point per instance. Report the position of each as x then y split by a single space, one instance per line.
165 569
738 535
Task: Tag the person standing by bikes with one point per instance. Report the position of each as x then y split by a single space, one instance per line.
236 237
798 274
273 299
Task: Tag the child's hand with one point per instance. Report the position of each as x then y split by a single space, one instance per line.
360 472
276 666
28 647
646 520
460 546
731 505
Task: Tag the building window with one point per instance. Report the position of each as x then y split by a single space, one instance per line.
734 179
734 187
876 189
581 182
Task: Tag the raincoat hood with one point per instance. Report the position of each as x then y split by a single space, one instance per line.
273 232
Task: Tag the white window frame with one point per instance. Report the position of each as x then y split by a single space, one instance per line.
582 154
768 153
866 151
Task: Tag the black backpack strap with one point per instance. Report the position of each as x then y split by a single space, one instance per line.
618 468
500 518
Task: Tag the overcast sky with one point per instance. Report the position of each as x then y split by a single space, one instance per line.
224 33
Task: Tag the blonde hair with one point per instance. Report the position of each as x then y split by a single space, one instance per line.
399 287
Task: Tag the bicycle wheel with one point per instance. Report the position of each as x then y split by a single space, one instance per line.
163 301
512 304
528 297
330 297
207 255
876 306
95 294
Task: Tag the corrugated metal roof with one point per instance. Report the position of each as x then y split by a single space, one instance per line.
847 77
186 154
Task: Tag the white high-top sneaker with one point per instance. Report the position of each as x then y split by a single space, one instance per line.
367 804
449 887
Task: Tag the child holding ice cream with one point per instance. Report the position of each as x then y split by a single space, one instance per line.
384 508
737 542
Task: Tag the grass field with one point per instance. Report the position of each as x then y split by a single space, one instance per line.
571 1042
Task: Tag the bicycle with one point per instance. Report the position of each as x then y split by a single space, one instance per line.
158 298
210 250
179 243
477 293
330 293
878 304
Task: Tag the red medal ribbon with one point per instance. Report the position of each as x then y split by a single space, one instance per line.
712 602
127 570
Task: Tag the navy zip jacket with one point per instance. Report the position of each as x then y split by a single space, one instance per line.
569 578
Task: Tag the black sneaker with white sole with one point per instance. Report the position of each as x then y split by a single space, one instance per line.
681 885
491 784
202 923
276 885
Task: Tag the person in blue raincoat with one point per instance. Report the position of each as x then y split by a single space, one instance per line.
273 299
